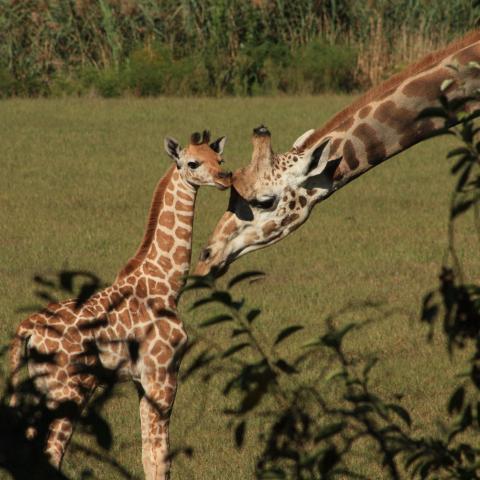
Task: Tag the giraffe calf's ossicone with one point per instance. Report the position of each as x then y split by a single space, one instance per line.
130 328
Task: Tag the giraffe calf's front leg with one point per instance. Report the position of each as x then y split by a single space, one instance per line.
155 443
155 408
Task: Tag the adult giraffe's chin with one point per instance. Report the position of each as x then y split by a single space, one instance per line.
274 195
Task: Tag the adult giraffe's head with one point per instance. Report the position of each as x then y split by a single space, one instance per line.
199 163
270 198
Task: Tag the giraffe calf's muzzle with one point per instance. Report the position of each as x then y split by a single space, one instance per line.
223 180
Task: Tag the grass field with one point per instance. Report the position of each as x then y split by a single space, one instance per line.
75 186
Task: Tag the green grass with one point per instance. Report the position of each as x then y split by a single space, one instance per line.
75 186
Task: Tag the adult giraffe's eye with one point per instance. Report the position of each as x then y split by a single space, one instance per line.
263 204
193 165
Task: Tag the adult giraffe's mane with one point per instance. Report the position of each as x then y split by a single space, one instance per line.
155 208
386 87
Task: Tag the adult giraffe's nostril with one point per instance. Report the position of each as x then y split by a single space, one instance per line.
225 174
205 254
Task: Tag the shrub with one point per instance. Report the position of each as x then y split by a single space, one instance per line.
149 69
328 67
109 83
7 83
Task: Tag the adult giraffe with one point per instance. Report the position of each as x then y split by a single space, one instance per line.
275 194
138 310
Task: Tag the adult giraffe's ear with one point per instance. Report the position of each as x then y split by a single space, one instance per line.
173 149
218 145
320 168
316 157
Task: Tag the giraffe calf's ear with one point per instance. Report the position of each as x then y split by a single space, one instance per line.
173 149
218 145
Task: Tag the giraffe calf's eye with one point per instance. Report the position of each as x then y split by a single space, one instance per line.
263 204
193 165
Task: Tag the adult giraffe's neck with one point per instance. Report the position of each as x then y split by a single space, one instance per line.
387 120
163 258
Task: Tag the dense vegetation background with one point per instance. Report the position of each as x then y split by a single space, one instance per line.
216 47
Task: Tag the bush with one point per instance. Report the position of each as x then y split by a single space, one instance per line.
328 67
7 83
149 68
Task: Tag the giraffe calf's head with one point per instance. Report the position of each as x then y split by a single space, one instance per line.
200 161
269 198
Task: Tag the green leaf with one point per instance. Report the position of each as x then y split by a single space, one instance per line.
285 367
244 276
370 364
401 412
329 431
467 418
445 84
234 349
334 339
460 163
458 151
239 331
461 207
287 332
464 177
453 66
433 112
216 320
335 374
253 314
240 433
474 64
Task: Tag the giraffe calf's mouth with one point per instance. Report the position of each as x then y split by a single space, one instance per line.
222 186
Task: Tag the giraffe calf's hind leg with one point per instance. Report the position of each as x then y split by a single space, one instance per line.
60 432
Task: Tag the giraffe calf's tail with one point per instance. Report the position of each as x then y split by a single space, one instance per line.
17 357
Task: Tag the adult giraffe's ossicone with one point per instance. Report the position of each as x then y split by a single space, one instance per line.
275 193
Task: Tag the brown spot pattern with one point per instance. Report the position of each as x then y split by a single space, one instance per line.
269 227
395 117
167 219
289 219
374 147
181 255
164 241
349 155
364 111
427 86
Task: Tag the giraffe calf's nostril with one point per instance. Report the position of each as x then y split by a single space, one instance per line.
225 174
205 255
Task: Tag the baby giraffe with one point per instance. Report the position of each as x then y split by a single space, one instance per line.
138 309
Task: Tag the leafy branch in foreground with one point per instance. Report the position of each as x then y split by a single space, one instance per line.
315 419
308 432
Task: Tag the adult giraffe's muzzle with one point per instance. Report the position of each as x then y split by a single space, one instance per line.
214 257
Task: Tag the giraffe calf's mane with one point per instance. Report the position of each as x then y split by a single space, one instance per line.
197 139
389 85
155 208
